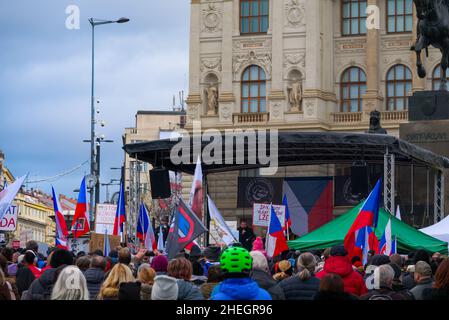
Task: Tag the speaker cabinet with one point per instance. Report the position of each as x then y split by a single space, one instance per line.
359 179
160 183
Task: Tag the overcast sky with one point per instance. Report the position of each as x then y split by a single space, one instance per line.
45 80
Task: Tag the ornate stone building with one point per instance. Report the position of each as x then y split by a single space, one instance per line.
305 65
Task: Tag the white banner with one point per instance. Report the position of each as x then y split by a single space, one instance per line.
218 227
261 214
8 194
9 220
104 218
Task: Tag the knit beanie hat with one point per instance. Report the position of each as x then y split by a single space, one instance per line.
258 246
338 251
164 288
159 263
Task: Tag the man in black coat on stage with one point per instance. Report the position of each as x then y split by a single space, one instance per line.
246 236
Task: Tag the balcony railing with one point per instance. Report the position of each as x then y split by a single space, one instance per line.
251 117
346 117
394 116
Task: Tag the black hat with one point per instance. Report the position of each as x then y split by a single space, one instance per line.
195 252
212 253
380 259
338 251
61 257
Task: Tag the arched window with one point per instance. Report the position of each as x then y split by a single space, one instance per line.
254 90
253 16
436 77
399 16
352 88
399 87
353 17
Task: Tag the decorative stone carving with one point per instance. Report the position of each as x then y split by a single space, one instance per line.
252 43
295 14
212 99
295 59
210 64
192 113
211 18
295 95
276 110
226 112
262 59
310 109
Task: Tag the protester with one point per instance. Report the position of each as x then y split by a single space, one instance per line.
246 236
357 264
83 263
258 246
77 290
13 267
214 277
375 261
339 263
261 274
283 270
423 279
164 288
41 289
9 254
95 275
11 280
332 288
109 290
236 265
181 269
304 285
26 274
440 288
160 264
198 277
211 256
146 275
324 257
6 292
383 276
408 280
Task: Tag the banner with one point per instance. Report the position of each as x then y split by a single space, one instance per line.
261 214
218 227
104 218
8 194
9 220
259 190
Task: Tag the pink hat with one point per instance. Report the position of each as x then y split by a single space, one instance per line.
258 245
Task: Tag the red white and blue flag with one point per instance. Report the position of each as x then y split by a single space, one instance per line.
144 230
106 245
120 214
61 226
276 242
185 228
387 244
288 220
80 224
367 217
366 240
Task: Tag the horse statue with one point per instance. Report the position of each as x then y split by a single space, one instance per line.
432 29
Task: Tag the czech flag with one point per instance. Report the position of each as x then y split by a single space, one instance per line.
80 224
288 220
61 244
120 214
387 244
61 226
366 240
367 217
106 245
276 242
144 230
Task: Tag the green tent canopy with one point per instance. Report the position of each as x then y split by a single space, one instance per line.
334 232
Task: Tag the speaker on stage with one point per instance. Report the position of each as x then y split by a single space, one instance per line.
160 183
359 179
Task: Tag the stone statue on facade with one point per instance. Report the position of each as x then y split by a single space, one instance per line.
432 29
374 123
295 95
212 99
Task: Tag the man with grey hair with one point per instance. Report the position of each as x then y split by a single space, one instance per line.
95 275
423 279
383 286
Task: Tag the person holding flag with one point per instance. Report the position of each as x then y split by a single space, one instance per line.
367 217
120 214
276 242
61 226
80 224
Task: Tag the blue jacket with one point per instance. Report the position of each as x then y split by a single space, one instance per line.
239 289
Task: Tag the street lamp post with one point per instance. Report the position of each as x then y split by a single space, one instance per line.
93 152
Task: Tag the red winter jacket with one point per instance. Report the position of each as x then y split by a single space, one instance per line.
352 280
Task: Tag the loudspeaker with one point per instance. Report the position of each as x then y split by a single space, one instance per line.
359 179
160 183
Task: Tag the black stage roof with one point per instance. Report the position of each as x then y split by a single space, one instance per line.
299 148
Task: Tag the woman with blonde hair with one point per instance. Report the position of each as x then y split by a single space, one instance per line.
120 273
146 275
71 285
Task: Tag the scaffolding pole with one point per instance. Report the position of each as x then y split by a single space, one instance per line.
389 182
438 208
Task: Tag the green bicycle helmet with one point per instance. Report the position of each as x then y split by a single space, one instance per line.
236 262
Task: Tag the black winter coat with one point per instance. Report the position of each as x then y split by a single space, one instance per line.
265 281
42 287
24 279
94 278
297 289
436 294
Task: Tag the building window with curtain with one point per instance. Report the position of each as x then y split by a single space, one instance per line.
399 87
353 17
436 77
399 16
254 16
352 88
253 95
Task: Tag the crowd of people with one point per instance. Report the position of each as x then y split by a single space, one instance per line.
215 273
